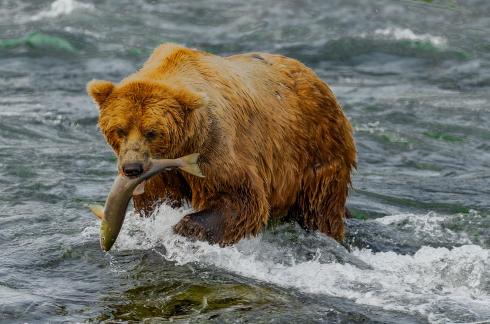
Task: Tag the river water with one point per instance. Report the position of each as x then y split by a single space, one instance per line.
413 78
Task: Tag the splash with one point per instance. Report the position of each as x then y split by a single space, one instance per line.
60 8
439 283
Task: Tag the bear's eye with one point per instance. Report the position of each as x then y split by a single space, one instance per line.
150 135
121 132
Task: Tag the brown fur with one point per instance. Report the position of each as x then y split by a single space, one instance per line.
272 137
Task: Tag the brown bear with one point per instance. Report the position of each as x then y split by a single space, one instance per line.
272 138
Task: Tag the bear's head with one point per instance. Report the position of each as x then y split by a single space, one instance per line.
145 119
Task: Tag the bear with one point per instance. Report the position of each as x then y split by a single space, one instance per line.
273 140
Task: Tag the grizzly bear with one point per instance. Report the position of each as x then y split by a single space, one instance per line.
273 140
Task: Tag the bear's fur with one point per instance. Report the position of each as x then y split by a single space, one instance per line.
273 140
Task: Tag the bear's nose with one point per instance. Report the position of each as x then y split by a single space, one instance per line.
133 169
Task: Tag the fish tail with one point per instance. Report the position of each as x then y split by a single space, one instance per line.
191 158
191 165
98 211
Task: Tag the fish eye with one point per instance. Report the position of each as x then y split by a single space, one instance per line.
150 135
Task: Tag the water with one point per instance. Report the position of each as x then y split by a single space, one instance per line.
414 79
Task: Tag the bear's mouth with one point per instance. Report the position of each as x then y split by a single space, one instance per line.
140 189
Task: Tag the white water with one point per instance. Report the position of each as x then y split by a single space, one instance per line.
61 8
434 282
407 34
424 227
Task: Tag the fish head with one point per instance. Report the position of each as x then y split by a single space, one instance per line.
108 235
108 231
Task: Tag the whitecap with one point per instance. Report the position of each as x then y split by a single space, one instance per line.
434 226
61 8
407 34
371 127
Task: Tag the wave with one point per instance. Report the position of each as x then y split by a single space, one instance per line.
442 284
39 41
396 41
347 49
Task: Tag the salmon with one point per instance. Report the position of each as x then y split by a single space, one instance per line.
113 213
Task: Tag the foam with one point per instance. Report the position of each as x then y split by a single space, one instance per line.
407 34
61 8
429 225
431 282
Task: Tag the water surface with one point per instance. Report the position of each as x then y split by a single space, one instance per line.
413 78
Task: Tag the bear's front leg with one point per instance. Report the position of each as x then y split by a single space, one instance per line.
224 221
205 225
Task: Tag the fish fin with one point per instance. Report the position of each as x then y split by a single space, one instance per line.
98 211
191 165
140 189
191 158
193 169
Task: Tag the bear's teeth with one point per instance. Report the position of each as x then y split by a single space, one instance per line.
140 189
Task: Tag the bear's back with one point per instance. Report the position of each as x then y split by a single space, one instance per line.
260 98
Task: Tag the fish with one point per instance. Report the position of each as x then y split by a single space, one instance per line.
113 212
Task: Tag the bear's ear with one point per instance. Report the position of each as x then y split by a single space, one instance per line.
191 100
99 90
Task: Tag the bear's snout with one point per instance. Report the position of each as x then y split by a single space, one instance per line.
134 157
133 169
